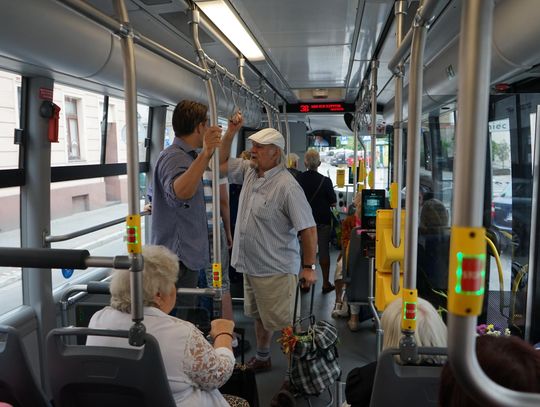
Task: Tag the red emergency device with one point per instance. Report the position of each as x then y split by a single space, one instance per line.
53 124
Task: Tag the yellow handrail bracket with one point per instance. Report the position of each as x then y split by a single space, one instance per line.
467 271
133 234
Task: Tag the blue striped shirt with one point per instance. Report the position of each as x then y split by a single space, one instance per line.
209 197
179 224
272 210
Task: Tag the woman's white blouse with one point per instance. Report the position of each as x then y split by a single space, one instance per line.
195 369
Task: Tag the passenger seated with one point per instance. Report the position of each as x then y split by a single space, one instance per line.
507 360
195 369
341 306
430 332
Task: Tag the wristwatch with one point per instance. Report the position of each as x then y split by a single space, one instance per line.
309 266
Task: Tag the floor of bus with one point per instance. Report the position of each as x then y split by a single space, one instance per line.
355 348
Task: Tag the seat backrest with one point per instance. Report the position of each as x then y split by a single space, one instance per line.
86 376
18 386
356 272
417 385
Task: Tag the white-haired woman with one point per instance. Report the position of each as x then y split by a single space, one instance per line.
430 332
194 368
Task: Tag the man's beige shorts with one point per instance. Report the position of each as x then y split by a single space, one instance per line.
271 299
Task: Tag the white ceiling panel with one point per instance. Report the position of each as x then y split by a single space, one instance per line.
286 23
373 21
324 66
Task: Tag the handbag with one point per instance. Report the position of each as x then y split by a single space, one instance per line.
242 382
314 362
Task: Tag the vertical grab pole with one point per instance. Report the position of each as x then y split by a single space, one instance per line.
287 135
355 159
397 172
241 64
533 257
268 109
278 118
466 273
216 232
409 351
374 69
133 220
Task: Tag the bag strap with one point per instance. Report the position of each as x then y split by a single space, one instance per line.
317 190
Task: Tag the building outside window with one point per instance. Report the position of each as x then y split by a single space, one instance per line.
72 129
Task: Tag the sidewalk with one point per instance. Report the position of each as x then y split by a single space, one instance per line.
105 242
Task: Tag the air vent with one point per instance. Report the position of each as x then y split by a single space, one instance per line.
328 94
180 21
320 93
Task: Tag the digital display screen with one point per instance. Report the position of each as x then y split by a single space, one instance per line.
371 205
330 107
372 201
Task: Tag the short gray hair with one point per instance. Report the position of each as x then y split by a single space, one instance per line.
159 273
312 159
282 157
430 328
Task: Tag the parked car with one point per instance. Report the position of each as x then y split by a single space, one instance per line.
503 215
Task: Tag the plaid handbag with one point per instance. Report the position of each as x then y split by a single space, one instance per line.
314 361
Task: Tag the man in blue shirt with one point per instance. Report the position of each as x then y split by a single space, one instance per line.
178 210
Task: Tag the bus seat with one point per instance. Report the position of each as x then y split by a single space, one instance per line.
356 269
414 385
18 386
89 376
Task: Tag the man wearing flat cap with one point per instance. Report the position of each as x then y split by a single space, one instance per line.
272 210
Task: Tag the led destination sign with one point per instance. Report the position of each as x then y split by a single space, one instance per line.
331 107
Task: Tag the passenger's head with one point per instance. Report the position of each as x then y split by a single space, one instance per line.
293 160
267 149
188 116
507 360
433 216
159 277
245 155
430 328
312 160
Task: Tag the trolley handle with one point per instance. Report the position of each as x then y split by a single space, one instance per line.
298 320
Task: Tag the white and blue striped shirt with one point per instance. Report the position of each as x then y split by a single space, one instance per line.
272 210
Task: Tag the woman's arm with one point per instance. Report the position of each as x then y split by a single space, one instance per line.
209 368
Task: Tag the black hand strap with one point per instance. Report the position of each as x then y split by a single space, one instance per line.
317 190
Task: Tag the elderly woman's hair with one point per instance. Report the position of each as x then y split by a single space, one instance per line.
433 216
430 328
312 159
159 273
508 361
293 157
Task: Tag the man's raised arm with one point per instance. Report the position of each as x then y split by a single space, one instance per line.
235 123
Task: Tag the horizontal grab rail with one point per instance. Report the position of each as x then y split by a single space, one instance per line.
58 258
73 235
116 27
